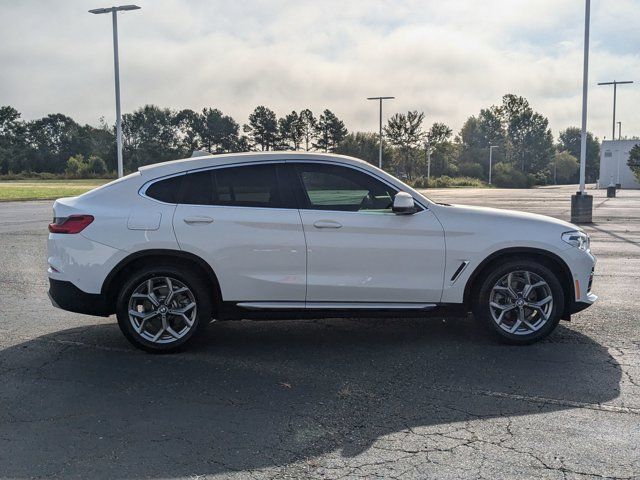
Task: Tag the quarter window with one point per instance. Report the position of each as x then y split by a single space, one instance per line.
165 190
331 187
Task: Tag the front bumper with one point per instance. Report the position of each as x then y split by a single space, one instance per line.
67 296
576 307
582 266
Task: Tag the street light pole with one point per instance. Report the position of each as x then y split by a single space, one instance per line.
582 203
491 147
116 69
615 88
380 99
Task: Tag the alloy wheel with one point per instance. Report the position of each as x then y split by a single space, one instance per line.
521 302
162 310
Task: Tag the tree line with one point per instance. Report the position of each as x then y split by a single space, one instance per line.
526 152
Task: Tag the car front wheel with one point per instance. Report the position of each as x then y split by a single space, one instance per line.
161 309
521 301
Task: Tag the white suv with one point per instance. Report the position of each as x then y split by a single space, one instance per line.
295 235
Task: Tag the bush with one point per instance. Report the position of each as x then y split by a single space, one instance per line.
31 176
445 181
74 165
97 166
539 178
78 167
505 176
420 182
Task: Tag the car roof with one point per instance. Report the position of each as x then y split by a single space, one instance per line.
194 163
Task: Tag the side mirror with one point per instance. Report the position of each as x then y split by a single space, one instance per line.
403 204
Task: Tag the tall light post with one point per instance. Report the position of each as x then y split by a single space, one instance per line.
380 99
491 147
615 88
581 203
116 67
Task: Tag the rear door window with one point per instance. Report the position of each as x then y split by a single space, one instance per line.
242 186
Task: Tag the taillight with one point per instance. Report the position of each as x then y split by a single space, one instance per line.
70 224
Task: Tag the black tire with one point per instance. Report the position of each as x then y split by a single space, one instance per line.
482 309
197 288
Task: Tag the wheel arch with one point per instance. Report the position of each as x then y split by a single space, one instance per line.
550 259
139 259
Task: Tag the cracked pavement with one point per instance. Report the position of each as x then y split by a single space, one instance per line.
388 398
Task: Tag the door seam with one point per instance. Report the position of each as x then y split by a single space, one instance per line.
306 260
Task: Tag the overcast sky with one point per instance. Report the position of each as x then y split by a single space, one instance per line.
446 58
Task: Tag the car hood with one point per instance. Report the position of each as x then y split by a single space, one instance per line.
499 214
501 227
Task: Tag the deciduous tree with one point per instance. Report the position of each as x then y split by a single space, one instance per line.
529 139
363 145
569 140
404 132
13 144
634 161
565 167
150 135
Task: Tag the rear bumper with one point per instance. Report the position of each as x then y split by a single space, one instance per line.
67 296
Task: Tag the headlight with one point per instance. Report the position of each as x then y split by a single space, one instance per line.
577 239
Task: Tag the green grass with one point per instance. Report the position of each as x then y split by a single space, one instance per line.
16 190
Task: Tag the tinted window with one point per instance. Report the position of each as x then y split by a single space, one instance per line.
247 186
198 188
330 187
165 190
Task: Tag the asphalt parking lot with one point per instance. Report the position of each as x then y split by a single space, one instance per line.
387 398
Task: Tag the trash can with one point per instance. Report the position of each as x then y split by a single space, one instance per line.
611 191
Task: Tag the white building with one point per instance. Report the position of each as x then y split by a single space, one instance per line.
613 164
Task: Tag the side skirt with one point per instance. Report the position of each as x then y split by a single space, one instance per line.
319 310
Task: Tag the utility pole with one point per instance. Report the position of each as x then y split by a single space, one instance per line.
491 147
615 84
116 68
582 203
380 99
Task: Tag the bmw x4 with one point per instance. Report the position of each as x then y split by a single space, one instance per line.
176 245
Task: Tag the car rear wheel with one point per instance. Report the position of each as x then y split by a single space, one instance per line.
521 301
161 309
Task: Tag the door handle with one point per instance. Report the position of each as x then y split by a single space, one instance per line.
197 220
327 224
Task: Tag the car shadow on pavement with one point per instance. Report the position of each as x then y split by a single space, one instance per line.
81 402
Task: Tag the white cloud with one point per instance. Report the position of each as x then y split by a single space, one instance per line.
447 58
